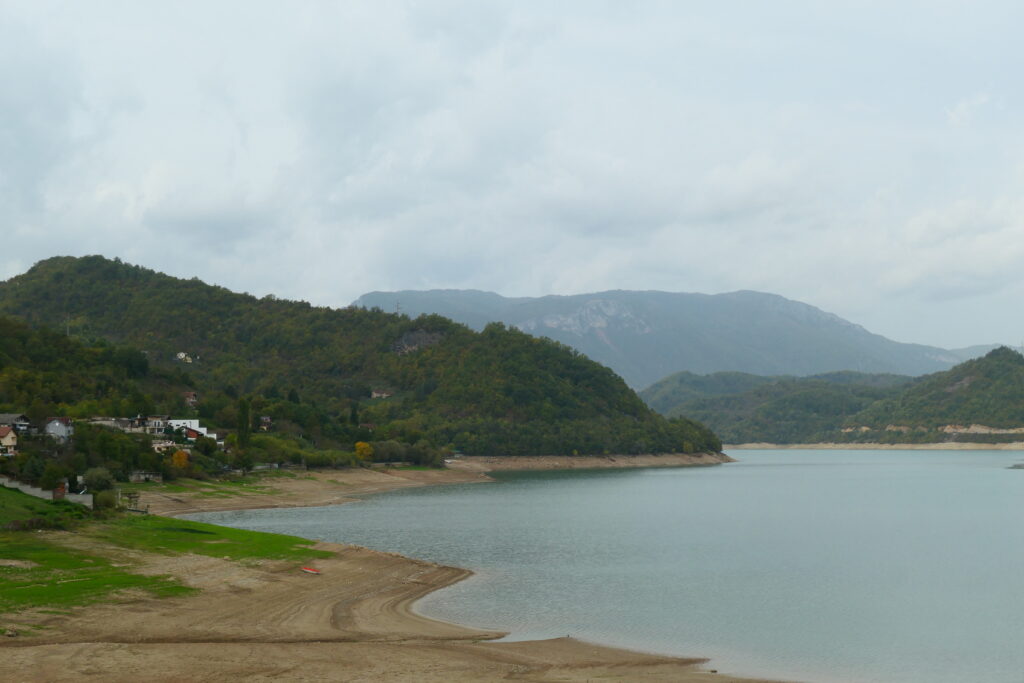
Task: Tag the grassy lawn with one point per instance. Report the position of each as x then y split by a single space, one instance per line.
37 571
167 536
16 506
50 575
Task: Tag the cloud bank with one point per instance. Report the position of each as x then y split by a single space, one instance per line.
863 157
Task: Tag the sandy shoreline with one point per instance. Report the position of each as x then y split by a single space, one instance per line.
268 620
945 446
334 487
485 464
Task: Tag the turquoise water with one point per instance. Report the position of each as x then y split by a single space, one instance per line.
808 565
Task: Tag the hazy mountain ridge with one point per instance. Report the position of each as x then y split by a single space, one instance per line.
646 336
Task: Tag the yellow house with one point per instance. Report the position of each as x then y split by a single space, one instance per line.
8 441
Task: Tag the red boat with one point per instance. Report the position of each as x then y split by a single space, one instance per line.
310 570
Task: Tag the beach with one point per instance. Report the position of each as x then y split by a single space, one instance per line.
334 487
269 620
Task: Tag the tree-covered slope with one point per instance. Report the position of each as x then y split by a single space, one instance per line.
669 395
853 407
45 373
750 408
987 391
313 369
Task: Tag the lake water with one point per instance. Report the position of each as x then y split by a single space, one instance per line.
896 566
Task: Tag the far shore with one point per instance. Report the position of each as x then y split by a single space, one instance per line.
943 446
353 622
495 463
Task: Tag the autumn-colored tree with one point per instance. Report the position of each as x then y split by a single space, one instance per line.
364 451
180 460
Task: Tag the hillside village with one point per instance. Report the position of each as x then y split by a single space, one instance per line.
30 451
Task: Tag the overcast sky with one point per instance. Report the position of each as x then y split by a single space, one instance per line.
864 157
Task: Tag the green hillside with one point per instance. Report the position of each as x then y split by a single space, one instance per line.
312 369
987 391
854 407
45 373
745 408
670 394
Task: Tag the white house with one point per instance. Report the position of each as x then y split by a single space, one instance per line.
60 428
190 425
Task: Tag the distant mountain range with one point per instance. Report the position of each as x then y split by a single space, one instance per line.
646 336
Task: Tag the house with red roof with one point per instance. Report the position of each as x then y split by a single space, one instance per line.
8 440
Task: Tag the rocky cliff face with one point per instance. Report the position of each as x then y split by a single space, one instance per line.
593 316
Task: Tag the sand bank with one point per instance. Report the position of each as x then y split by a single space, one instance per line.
333 487
308 489
945 446
496 463
271 621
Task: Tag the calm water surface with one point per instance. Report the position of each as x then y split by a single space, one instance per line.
810 565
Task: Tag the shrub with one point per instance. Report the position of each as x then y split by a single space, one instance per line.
104 500
98 479
51 477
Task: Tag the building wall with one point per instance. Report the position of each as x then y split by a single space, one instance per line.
80 498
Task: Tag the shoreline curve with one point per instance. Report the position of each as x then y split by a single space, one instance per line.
354 621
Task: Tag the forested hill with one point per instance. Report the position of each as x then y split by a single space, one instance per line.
987 391
646 336
313 369
979 400
744 408
45 373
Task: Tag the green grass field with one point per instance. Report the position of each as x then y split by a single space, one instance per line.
49 575
16 506
167 536
37 571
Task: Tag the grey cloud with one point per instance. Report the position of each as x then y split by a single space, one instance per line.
38 99
842 155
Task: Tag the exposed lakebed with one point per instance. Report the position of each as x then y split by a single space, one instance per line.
812 565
